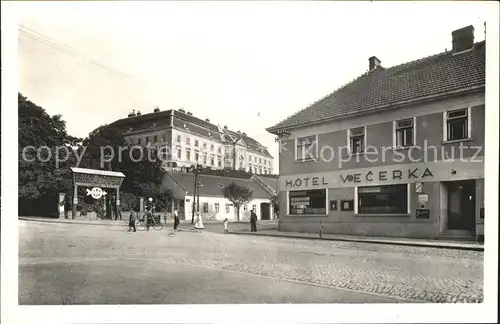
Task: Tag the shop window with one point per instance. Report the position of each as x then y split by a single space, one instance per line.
310 202
404 132
179 153
212 160
188 155
196 156
306 148
457 124
357 140
391 199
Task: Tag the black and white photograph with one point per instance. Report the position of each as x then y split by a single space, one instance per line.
249 161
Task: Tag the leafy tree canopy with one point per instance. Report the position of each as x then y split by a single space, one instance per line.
237 195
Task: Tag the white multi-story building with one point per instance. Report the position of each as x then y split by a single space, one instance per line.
191 140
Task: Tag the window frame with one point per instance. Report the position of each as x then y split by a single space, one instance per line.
408 201
395 135
228 208
179 138
468 125
288 203
316 151
188 154
217 207
205 207
349 136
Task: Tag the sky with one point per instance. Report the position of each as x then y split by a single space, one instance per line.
247 65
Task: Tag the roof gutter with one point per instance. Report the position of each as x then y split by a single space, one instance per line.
273 130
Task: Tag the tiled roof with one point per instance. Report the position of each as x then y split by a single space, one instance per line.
385 88
193 124
212 185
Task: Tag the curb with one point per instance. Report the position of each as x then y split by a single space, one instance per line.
413 244
56 220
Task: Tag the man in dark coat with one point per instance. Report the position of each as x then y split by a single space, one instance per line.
253 221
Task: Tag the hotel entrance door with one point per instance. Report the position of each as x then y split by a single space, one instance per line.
462 205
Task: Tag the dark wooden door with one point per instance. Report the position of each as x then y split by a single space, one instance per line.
461 205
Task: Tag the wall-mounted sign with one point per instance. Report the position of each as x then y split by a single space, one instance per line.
75 200
413 173
333 205
96 192
418 187
347 205
314 181
423 198
423 204
94 180
423 214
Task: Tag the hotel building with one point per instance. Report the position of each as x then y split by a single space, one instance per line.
396 152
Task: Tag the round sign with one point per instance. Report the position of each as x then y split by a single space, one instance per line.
96 193
423 204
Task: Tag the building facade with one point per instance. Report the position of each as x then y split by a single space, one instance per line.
186 140
213 206
397 152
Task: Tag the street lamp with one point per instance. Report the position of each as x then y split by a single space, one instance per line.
195 168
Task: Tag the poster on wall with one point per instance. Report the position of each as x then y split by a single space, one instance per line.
423 214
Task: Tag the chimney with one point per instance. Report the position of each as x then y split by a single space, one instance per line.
182 110
190 113
374 62
463 39
132 114
207 120
139 113
157 109
225 127
244 134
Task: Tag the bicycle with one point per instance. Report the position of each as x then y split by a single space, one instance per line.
142 224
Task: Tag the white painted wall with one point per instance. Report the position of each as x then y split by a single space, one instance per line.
222 214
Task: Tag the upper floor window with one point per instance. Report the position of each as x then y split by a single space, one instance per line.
188 155
179 153
212 147
228 206
306 148
212 160
249 158
205 207
196 156
196 143
357 140
457 124
219 150
217 207
179 138
260 160
188 141
204 158
155 138
204 145
404 132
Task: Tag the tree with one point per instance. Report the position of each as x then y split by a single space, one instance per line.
39 176
237 195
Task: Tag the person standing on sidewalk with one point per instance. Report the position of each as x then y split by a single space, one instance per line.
131 220
199 222
176 219
253 221
225 226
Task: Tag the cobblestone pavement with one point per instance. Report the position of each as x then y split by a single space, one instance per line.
409 273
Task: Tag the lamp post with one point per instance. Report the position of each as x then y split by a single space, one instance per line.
196 168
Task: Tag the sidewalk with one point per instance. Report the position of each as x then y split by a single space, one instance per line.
444 244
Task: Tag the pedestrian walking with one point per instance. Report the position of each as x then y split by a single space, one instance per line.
131 221
199 222
225 226
176 219
149 217
253 221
